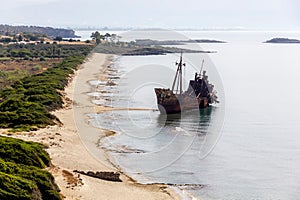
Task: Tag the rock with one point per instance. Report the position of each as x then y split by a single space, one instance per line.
108 176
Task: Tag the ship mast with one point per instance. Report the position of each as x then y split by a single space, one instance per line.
178 76
201 67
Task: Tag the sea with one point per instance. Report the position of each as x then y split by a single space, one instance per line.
247 147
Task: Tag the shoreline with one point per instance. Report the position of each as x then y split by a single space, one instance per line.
69 150
175 192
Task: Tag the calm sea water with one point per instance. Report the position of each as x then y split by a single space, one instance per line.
246 147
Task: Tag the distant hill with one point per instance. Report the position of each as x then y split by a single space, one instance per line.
49 31
283 40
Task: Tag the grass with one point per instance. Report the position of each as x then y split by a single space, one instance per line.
7 78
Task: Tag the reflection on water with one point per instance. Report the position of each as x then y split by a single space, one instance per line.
152 147
191 121
157 150
204 116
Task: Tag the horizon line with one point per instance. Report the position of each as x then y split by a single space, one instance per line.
120 28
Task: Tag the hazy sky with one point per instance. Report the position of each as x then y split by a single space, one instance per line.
250 14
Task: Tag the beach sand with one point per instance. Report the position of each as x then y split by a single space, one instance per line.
68 152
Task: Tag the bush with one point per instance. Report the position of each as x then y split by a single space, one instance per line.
21 173
58 38
23 152
14 187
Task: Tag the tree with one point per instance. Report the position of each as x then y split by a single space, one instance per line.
107 35
20 38
58 52
118 38
96 36
113 37
58 38
30 36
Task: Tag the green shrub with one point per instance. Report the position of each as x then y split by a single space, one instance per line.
21 173
14 187
23 152
41 178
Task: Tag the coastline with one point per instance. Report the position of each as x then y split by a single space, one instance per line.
68 152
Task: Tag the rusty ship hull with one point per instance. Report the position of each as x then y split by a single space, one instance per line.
200 93
177 103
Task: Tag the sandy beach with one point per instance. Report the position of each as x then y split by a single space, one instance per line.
68 152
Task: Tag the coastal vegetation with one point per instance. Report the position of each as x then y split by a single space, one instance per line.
111 44
21 171
32 78
9 77
27 103
20 60
43 51
134 49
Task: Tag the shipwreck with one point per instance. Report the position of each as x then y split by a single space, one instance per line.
200 93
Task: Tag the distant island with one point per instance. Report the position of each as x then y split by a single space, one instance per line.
283 41
9 30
